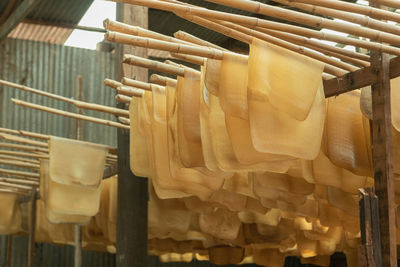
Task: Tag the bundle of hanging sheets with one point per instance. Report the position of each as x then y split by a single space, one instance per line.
250 163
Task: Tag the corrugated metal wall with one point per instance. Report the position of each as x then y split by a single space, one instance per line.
54 68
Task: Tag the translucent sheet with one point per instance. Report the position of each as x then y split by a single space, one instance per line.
288 80
212 76
10 214
345 141
233 85
326 173
188 120
52 215
72 200
395 100
208 153
198 181
69 162
138 151
222 145
275 132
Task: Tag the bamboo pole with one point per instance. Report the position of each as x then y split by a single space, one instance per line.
329 50
112 83
162 80
12 191
163 45
267 38
22 140
25 133
81 104
170 62
181 35
272 11
245 37
140 85
35 135
129 91
152 64
255 23
125 99
390 3
22 174
315 21
32 229
343 15
69 114
8 157
18 181
124 120
355 8
25 148
18 186
102 108
188 58
20 164
117 26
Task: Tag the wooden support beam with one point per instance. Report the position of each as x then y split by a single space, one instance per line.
370 248
9 250
382 156
358 79
17 16
79 136
32 227
132 191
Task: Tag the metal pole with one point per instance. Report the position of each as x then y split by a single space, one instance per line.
77 228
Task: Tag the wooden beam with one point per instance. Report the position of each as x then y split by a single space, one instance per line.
17 16
370 248
32 227
358 79
132 191
9 250
382 156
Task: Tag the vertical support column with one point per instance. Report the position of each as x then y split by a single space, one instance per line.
382 155
9 250
77 227
370 249
132 190
32 228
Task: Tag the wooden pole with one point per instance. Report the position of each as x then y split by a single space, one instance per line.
382 153
370 248
162 80
9 250
69 114
79 136
315 21
382 156
32 227
132 191
181 35
348 16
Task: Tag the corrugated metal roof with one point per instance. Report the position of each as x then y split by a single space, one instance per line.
65 11
48 11
40 33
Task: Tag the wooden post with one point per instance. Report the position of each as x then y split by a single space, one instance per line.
132 190
77 227
32 227
382 156
9 250
370 248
